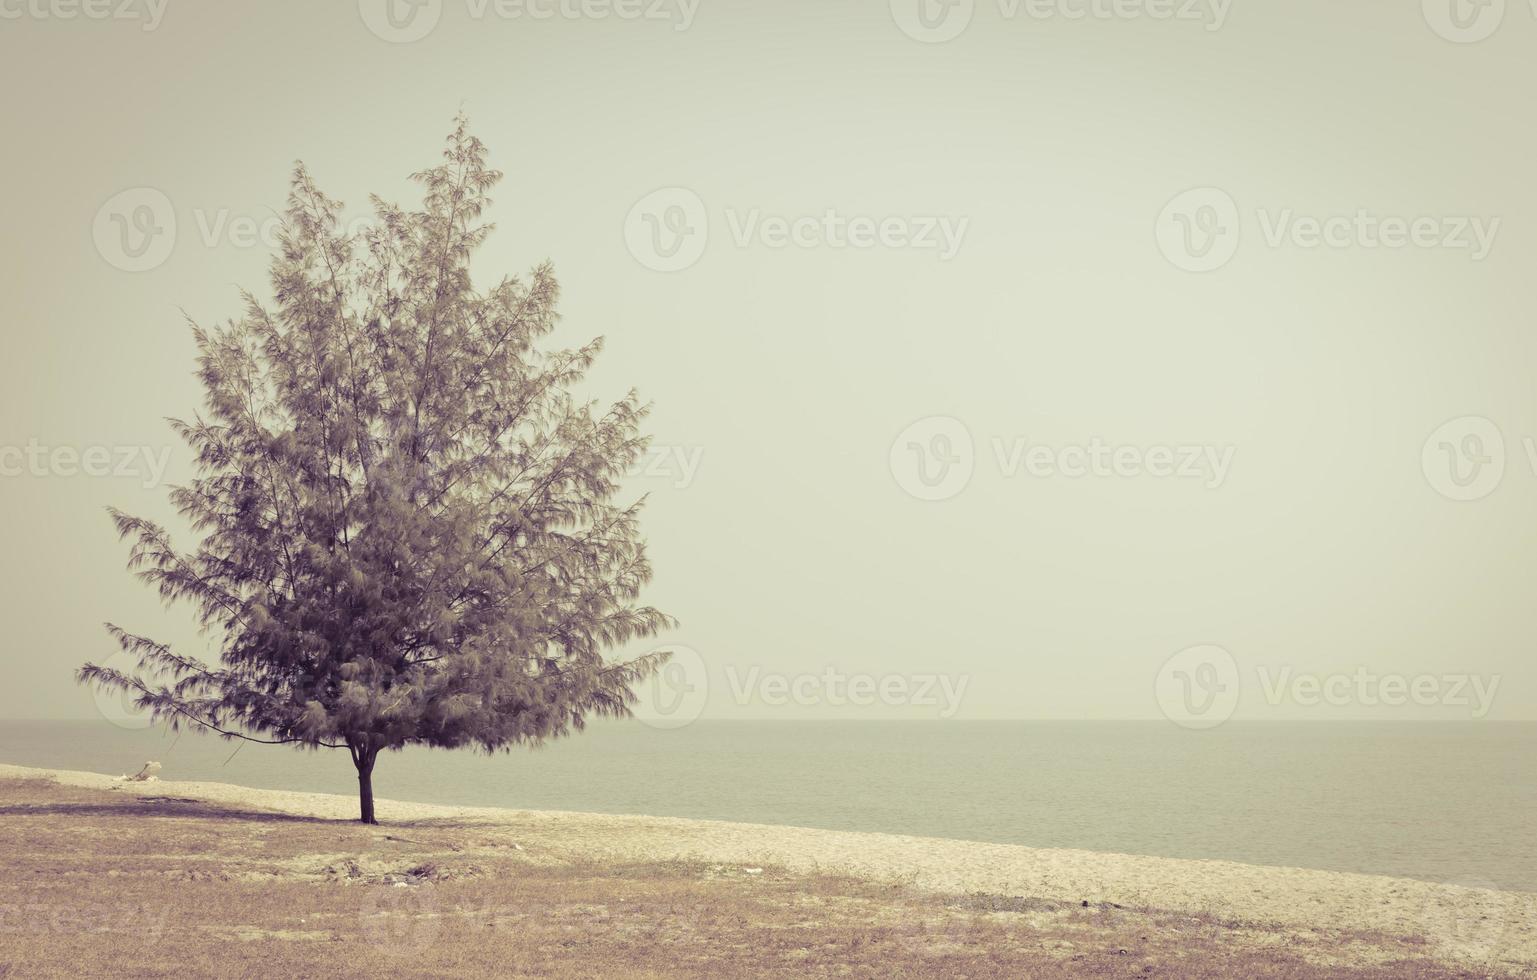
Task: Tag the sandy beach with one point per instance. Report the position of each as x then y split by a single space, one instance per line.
1483 931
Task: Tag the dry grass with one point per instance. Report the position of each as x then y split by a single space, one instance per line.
112 884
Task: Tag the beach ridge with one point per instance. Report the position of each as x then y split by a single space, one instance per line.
1459 923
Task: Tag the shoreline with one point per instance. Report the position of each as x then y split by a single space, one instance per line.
1459 923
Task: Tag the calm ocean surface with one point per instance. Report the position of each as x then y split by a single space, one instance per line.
1445 802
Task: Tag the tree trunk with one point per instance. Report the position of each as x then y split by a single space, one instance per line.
364 759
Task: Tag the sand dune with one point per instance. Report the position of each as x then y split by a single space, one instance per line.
1467 925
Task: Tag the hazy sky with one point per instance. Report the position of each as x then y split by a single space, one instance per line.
895 264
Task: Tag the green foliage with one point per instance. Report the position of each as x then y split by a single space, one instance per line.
408 533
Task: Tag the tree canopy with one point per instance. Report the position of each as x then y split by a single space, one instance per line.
409 531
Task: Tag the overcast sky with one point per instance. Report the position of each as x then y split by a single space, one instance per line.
999 348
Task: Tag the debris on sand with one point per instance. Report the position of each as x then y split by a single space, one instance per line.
145 775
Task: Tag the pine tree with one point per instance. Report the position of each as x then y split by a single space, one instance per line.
408 533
